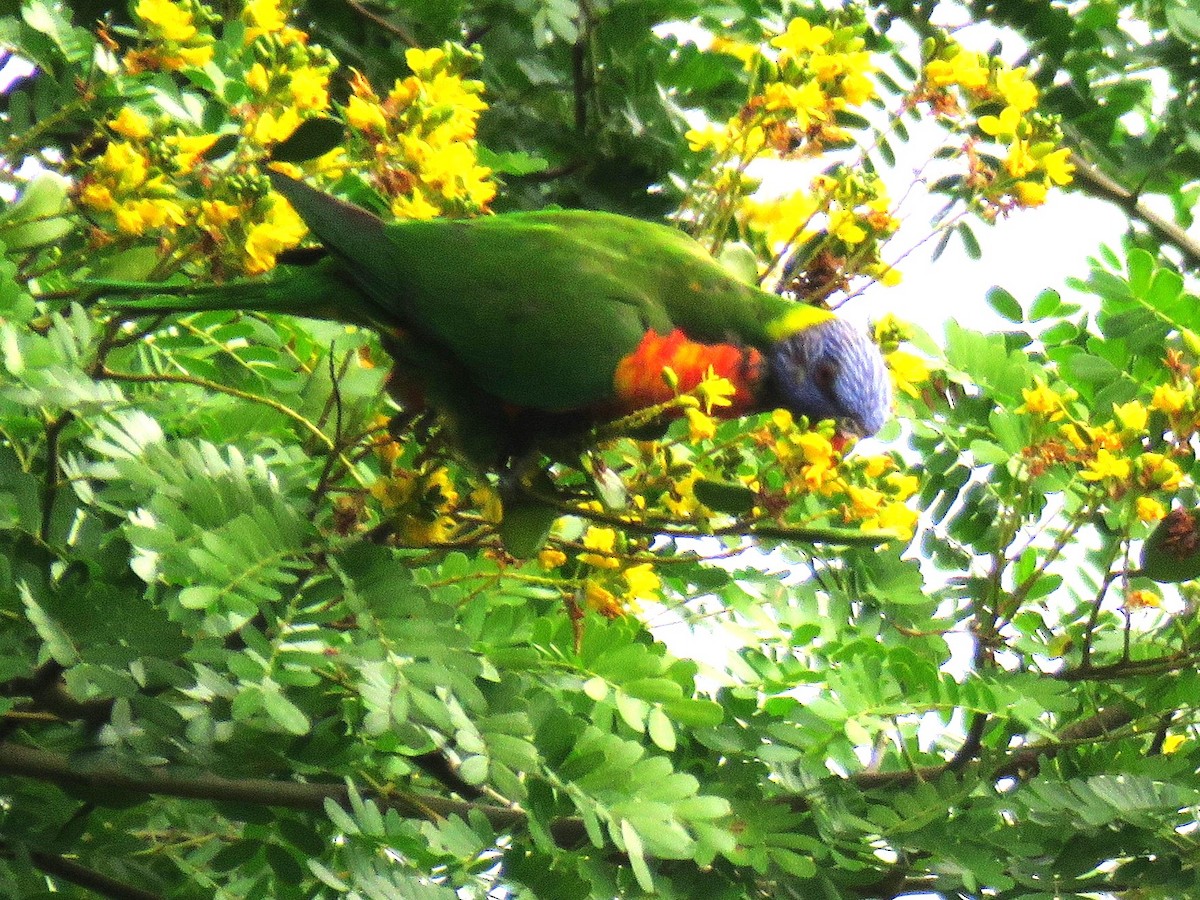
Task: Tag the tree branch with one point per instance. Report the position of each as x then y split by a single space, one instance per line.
58 768
1016 765
70 871
1098 184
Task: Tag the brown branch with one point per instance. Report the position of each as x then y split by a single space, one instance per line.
1019 764
1098 184
1130 668
57 768
398 31
70 871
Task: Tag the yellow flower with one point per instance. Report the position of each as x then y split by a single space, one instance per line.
262 17
126 163
602 600
902 485
815 447
709 136
701 427
1159 471
191 56
129 218
843 224
748 142
189 149
131 124
643 582
864 502
1031 193
1106 465
1131 415
281 230
1020 161
1017 90
963 69
365 115
1004 125
97 196
602 540
1168 399
269 127
215 215
1142 599
423 62
801 37
1173 742
258 79
713 390
170 21
875 466
807 103
415 206
438 490
159 212
885 274
549 558
309 88
895 518
907 371
1043 401
857 88
784 220
1149 509
1058 166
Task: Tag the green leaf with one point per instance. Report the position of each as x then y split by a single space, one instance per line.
1094 369
1005 304
724 497
637 856
695 713
1045 305
660 729
655 690
312 138
58 643
512 162
286 714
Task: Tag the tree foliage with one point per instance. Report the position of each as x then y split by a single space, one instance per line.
263 632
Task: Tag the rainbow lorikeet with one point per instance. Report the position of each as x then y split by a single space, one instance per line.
522 325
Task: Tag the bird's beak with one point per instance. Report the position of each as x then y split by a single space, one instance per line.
846 435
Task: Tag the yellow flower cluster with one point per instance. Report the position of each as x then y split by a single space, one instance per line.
155 179
421 136
612 582
908 370
1112 456
810 73
160 179
842 221
177 36
421 504
965 87
868 490
806 77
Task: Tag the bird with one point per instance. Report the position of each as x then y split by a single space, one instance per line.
523 326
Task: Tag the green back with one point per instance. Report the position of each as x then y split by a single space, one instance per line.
538 308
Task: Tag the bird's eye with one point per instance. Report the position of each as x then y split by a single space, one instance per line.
824 376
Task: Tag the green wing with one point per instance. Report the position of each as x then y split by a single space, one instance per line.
537 308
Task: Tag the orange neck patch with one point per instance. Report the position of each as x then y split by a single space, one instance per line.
639 381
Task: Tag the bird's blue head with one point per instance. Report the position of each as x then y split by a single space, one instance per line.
832 370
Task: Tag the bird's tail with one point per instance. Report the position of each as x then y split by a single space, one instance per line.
316 292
